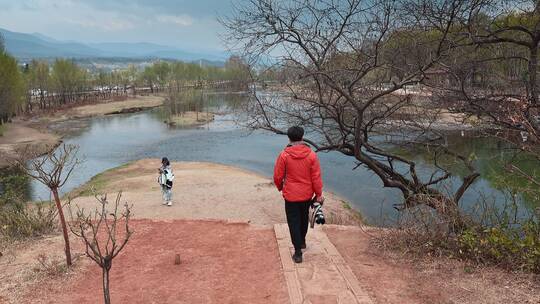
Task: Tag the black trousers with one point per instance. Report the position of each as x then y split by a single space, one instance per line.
298 221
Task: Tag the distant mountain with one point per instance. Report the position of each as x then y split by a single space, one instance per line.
43 37
23 45
144 49
30 46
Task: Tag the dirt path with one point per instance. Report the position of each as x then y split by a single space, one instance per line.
201 191
323 276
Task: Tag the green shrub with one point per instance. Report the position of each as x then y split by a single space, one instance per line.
505 240
516 246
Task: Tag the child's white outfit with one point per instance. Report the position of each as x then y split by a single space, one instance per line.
165 179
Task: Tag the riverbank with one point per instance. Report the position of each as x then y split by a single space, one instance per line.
34 130
216 207
21 134
222 224
108 107
201 191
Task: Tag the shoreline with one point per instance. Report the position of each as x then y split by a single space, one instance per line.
387 276
202 190
21 135
34 130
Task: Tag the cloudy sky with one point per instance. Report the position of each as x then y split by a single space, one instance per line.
188 24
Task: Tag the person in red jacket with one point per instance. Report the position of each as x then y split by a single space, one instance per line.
297 174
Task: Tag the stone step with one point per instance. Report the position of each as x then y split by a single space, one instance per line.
323 277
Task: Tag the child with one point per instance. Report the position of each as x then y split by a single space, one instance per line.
165 179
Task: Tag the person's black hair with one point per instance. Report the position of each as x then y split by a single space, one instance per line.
165 161
295 133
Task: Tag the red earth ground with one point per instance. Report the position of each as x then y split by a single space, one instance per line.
402 279
239 263
220 263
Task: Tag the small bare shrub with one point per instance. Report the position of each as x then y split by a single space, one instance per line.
50 266
105 232
418 231
52 170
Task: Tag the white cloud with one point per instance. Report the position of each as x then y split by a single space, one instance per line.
77 20
181 20
107 26
110 24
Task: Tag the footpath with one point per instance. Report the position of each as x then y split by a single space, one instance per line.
323 277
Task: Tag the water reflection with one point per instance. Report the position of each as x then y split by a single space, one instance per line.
490 156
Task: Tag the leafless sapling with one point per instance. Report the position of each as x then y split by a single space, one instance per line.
105 232
52 170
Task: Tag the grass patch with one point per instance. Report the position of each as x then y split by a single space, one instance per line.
96 184
2 130
19 221
349 216
355 213
190 119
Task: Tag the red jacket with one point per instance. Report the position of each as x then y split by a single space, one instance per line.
298 173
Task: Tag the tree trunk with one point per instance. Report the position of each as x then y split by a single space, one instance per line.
63 224
106 293
533 67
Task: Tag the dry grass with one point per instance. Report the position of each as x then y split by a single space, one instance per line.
423 243
116 106
345 215
397 277
51 266
30 262
460 281
190 119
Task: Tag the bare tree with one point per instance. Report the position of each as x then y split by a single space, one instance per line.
53 170
493 69
106 220
352 62
492 73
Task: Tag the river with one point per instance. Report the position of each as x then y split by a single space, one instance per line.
110 141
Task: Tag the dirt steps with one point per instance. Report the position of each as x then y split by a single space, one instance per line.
323 277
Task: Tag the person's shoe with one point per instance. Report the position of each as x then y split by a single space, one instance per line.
297 257
169 204
303 245
164 203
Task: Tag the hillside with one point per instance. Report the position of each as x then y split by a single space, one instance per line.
36 45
